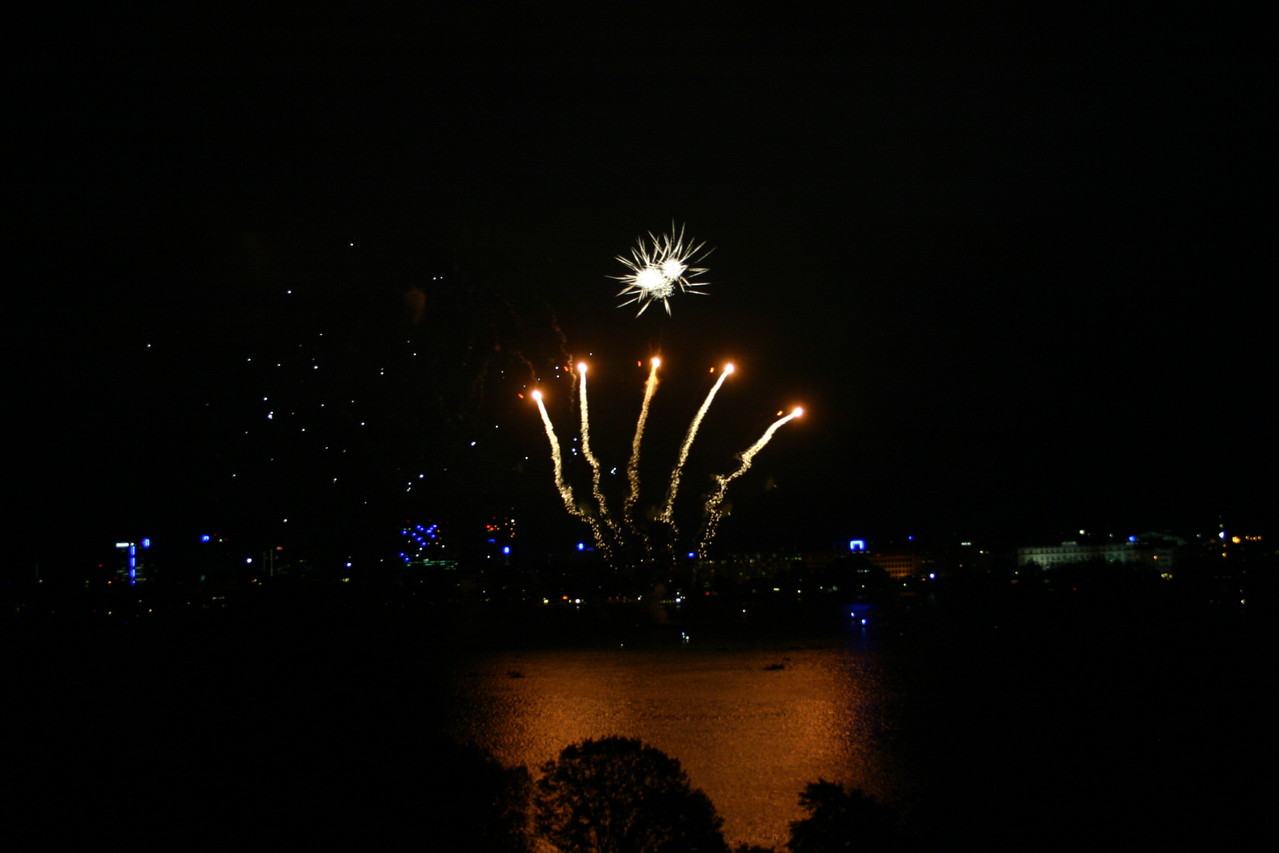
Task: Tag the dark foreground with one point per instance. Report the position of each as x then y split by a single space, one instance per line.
1042 723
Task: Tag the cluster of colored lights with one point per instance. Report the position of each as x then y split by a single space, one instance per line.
425 537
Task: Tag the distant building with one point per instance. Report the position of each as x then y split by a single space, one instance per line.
1152 549
132 562
753 565
900 565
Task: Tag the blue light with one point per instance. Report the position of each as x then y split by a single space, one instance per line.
506 549
857 544
581 546
692 555
1132 538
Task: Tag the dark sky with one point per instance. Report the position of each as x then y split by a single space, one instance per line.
1015 264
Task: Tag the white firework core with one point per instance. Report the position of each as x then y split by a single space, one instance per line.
653 284
660 267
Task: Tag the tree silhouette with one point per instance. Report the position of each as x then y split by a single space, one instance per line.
619 795
840 818
476 798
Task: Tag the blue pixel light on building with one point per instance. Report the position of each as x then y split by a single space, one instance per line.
134 568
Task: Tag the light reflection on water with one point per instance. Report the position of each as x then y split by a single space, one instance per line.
748 733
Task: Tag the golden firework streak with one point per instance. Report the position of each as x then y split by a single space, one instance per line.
668 508
715 501
632 466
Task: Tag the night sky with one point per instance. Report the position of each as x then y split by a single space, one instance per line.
1014 264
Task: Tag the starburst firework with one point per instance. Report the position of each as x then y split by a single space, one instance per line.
659 267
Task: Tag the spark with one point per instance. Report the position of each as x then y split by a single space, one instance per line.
659 267
668 508
714 502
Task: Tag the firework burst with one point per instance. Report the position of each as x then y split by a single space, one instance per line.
659 267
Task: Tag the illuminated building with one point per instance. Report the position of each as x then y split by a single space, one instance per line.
1156 550
133 568
899 565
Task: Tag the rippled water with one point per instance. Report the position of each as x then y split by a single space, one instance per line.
750 726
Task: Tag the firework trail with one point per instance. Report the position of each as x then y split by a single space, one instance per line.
657 269
612 535
715 500
561 485
632 467
594 462
557 459
667 512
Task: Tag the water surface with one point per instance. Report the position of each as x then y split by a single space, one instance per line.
751 726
